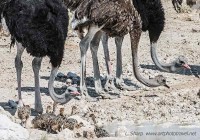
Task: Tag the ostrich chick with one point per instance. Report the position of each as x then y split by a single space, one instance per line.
99 131
42 121
62 110
49 110
56 124
24 113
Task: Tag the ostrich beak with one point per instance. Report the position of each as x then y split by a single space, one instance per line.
75 93
186 66
167 86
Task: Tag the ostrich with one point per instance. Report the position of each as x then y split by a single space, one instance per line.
40 27
147 11
116 18
178 3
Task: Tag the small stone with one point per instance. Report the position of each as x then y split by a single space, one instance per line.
60 75
12 104
71 75
76 80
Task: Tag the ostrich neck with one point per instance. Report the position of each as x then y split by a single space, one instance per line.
57 98
168 67
134 46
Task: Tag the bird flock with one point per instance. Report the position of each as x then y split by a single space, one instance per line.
40 27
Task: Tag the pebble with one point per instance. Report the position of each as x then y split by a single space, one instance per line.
76 80
60 75
71 75
12 104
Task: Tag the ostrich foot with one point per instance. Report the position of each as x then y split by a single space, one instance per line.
110 87
121 85
86 96
89 98
105 95
38 108
109 96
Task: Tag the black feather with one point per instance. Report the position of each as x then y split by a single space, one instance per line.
39 25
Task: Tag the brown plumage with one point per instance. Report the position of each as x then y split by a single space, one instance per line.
23 114
99 131
61 122
117 16
54 124
74 110
49 109
42 121
71 124
62 110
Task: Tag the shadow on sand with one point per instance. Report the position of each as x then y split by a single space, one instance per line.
195 69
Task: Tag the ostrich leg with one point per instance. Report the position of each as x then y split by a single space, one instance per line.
119 81
109 86
84 45
19 66
177 5
36 64
94 45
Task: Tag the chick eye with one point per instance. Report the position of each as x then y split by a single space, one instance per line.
164 80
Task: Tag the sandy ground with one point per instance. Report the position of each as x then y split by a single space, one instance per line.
179 104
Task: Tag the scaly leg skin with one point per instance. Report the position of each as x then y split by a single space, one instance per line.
36 64
19 66
54 107
84 45
94 48
119 81
109 86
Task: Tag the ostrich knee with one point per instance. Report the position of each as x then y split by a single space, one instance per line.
19 66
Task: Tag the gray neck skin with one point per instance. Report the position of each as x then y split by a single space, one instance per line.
134 47
170 67
63 98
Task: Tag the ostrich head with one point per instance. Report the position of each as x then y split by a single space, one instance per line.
70 93
161 80
181 62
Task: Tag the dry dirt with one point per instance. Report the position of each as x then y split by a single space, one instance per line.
179 104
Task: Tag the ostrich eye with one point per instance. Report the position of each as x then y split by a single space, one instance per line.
69 90
164 80
182 62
